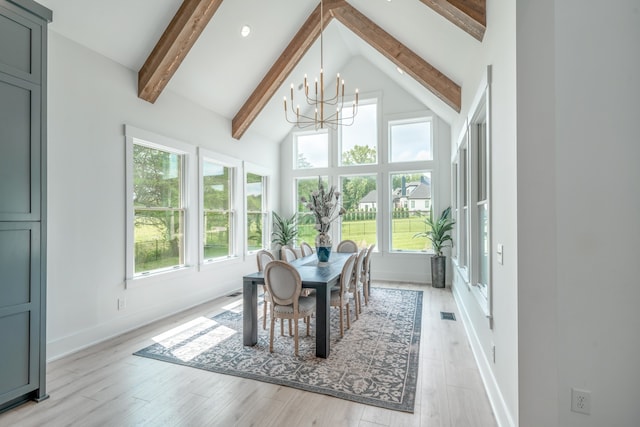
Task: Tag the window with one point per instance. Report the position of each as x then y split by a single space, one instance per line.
158 216
359 141
410 202
218 213
311 150
463 221
410 140
360 200
257 225
306 219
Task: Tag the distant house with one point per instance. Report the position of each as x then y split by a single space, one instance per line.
368 202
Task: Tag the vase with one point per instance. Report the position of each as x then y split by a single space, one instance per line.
323 247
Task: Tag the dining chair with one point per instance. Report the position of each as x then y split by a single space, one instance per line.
354 284
340 294
288 254
306 249
284 284
365 277
264 257
347 246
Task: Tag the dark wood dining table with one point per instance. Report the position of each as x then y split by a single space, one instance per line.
319 277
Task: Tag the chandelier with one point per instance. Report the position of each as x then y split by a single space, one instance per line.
327 112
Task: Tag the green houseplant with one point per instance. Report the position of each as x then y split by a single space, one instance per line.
285 231
439 233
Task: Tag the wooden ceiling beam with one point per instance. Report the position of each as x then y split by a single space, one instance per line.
412 64
174 45
280 70
470 15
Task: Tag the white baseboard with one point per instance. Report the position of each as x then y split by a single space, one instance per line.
499 406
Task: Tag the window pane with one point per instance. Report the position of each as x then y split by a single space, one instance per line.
410 141
483 250
306 220
216 186
255 192
359 141
158 239
359 198
254 231
482 161
410 204
312 150
217 232
157 177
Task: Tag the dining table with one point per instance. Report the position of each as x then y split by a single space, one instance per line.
314 275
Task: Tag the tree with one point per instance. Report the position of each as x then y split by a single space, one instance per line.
359 155
303 163
354 189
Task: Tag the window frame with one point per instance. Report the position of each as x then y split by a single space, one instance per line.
411 120
340 178
299 134
235 167
135 136
364 101
250 168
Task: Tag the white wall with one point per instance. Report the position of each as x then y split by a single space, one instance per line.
90 99
579 317
395 102
498 49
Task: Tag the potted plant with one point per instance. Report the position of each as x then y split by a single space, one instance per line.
439 232
285 231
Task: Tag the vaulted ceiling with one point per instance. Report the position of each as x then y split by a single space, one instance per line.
194 47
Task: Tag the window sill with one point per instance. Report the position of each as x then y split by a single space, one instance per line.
218 261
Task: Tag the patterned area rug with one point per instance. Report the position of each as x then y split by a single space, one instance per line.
375 363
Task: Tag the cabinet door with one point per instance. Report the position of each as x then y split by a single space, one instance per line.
20 150
19 309
20 53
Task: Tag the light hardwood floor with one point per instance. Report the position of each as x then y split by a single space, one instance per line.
106 385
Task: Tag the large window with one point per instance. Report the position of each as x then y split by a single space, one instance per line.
160 223
311 150
410 203
306 219
410 140
218 222
257 226
360 200
359 142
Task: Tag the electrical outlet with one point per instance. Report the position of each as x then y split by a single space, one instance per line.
581 401
499 252
122 303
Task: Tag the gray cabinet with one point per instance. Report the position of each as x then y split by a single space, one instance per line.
23 45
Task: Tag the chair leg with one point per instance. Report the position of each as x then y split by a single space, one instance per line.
290 333
308 324
295 337
355 304
348 317
359 301
264 315
341 323
273 321
281 327
365 290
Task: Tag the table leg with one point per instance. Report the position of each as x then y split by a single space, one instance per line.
249 313
323 321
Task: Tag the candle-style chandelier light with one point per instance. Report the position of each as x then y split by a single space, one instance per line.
327 112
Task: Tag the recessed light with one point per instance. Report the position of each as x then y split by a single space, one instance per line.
245 31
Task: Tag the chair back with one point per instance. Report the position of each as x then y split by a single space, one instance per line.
283 283
347 274
347 246
287 254
264 257
357 270
367 261
306 249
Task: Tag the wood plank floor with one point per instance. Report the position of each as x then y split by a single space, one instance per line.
106 385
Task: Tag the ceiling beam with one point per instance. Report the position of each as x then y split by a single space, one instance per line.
412 64
174 45
280 70
470 15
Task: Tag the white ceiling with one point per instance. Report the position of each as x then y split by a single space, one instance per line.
223 68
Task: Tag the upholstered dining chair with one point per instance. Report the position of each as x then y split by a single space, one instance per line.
264 257
354 284
365 277
340 294
288 254
306 249
284 285
347 246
